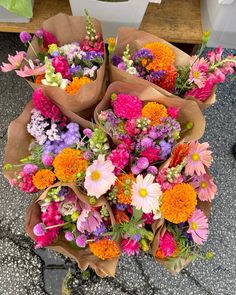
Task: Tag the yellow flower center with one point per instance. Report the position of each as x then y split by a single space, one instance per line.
194 225
143 192
195 157
203 184
95 175
196 74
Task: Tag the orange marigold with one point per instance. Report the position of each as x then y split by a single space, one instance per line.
179 153
164 56
178 203
39 78
76 83
43 178
68 163
155 112
124 185
104 249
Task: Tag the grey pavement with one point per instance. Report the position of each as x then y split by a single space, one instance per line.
24 271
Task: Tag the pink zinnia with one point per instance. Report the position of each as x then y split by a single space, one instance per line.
130 247
127 106
167 244
202 93
61 65
205 187
151 153
198 227
198 71
198 158
48 38
14 61
119 158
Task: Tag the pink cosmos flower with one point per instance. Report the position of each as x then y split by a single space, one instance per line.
15 61
89 220
32 70
130 246
205 187
198 227
167 244
198 158
202 93
99 177
198 71
146 194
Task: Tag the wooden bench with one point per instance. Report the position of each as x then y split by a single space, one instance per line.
177 21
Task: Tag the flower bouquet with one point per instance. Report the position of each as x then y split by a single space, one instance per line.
68 62
63 219
140 57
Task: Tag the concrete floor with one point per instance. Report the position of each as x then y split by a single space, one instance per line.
26 272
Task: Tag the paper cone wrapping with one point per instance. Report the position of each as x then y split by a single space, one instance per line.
83 257
69 29
159 230
137 39
189 110
18 138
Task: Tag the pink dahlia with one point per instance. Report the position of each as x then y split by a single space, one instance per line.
130 246
198 71
198 158
205 187
119 158
201 93
61 65
127 106
198 227
167 244
151 153
48 38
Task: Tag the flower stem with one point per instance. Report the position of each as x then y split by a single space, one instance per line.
58 225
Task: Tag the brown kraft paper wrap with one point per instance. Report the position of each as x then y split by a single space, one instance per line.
189 110
18 138
69 29
137 39
83 257
159 230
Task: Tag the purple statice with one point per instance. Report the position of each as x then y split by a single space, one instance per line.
141 71
75 69
100 230
141 55
155 76
37 127
165 149
63 191
116 60
172 128
121 206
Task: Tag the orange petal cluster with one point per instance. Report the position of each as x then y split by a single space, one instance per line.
155 112
124 189
76 83
43 178
104 249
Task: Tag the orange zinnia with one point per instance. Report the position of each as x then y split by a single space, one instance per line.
104 249
155 112
43 178
68 163
76 83
178 203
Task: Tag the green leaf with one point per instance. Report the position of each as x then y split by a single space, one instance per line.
137 214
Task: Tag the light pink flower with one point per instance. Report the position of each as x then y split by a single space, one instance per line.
146 194
31 71
99 177
198 71
205 187
198 227
198 158
15 61
89 220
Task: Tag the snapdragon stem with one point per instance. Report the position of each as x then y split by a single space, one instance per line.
58 225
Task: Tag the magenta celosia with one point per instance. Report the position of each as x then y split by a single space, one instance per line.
61 65
130 247
131 127
48 38
26 183
151 153
167 244
148 218
119 158
46 107
127 106
173 112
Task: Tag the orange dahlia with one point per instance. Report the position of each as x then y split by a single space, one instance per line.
104 249
155 112
68 163
124 185
76 83
178 203
43 178
179 153
164 57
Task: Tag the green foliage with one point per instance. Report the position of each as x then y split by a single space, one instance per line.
36 157
182 79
